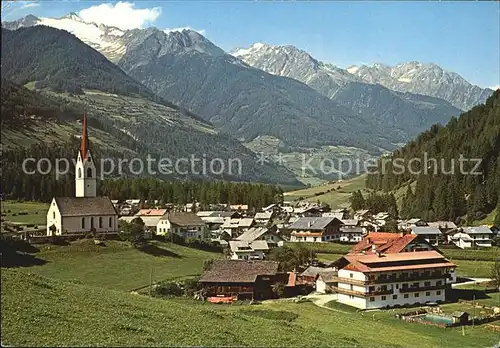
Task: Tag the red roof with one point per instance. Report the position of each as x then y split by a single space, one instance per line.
84 146
390 262
292 279
383 241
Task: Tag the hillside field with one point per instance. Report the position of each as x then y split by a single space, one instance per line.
40 311
117 265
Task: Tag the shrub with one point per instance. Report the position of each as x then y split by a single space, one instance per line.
191 286
167 289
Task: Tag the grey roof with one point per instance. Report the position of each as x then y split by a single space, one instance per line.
415 220
238 271
183 219
253 233
350 222
263 216
85 206
442 224
222 214
335 215
425 230
477 230
328 276
312 223
241 245
313 271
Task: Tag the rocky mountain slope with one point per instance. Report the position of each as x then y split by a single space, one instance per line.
132 122
407 113
424 78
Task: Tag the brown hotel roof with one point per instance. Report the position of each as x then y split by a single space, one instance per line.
238 271
375 263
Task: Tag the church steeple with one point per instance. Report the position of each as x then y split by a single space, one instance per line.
84 146
85 170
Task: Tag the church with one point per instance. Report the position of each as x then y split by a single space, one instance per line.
85 212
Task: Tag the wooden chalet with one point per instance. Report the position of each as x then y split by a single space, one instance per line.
242 279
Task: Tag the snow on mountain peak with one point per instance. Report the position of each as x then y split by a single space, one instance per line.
240 52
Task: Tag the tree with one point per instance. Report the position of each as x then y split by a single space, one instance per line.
357 201
497 218
133 231
278 289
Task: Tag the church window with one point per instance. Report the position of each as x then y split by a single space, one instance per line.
53 214
79 172
110 222
100 222
91 222
89 172
83 223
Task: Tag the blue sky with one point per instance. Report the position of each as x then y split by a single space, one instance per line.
459 36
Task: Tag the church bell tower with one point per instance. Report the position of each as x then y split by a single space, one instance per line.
85 171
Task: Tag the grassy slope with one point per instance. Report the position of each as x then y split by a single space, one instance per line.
41 311
117 265
339 194
37 212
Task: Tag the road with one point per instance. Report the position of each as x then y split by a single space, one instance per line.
472 281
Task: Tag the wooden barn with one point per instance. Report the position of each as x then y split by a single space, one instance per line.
242 278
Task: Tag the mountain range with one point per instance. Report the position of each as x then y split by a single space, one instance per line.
280 92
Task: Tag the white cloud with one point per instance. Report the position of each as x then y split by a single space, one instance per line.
201 31
123 15
494 87
29 4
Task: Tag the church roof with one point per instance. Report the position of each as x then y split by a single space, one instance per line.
85 206
84 146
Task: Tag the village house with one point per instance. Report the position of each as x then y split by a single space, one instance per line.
236 227
326 281
431 234
381 218
369 281
243 208
315 229
351 231
362 215
443 226
263 218
388 243
150 217
242 279
409 224
86 212
262 233
273 208
185 225
470 237
245 250
310 274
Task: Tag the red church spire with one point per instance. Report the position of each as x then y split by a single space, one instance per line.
84 146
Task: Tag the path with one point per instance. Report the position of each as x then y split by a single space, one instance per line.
471 281
321 300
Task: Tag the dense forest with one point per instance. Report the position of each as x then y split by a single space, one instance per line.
18 103
450 172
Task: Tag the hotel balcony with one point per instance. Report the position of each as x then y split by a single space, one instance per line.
382 280
423 288
362 293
